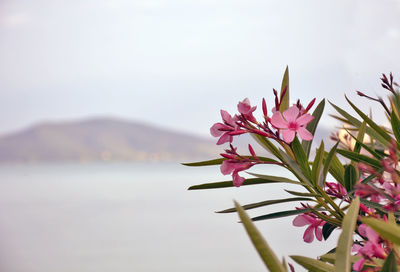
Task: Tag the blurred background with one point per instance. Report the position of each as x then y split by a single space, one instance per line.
100 100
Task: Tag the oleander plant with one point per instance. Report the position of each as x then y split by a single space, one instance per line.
352 187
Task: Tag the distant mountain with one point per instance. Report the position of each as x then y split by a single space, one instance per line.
108 139
103 139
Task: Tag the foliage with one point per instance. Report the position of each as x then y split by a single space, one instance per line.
353 186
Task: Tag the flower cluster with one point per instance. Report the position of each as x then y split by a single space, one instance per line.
282 128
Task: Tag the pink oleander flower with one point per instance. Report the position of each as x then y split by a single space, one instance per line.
233 167
335 189
247 110
315 226
371 248
292 122
227 129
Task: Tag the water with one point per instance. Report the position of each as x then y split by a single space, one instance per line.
134 217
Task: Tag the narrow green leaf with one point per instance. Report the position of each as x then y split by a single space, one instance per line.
295 169
387 230
327 230
355 122
204 163
229 183
267 203
371 123
343 250
360 137
390 264
267 145
301 157
361 144
285 84
280 214
313 264
273 178
350 177
328 159
360 158
331 257
336 168
302 194
267 255
312 126
395 125
316 167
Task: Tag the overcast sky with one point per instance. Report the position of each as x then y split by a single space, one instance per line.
176 63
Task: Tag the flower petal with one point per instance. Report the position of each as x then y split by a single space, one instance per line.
225 138
308 236
278 121
226 167
237 180
215 129
227 118
291 113
288 135
301 220
305 134
318 233
358 265
304 119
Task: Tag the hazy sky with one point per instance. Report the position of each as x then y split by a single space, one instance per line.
176 63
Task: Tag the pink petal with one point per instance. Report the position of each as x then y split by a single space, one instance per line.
288 135
318 233
225 138
358 265
291 113
244 106
372 235
305 134
237 180
308 236
226 167
304 119
278 121
227 117
215 129
301 220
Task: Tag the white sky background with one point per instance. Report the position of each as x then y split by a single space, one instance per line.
176 63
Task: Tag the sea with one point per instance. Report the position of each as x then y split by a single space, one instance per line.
101 217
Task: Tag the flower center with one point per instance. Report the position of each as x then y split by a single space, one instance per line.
293 126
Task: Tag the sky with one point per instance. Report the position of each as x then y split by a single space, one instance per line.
176 63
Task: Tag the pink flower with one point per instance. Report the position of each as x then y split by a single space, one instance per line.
227 129
371 248
292 122
234 167
247 110
315 226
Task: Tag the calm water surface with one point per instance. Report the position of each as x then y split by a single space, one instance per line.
133 217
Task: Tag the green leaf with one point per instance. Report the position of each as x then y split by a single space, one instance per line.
343 250
395 125
295 169
350 177
229 183
360 158
360 137
267 203
285 83
273 178
312 126
360 144
204 163
331 257
387 230
267 255
327 230
371 123
301 193
355 122
336 168
267 145
316 167
390 264
301 157
280 214
313 264
328 159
